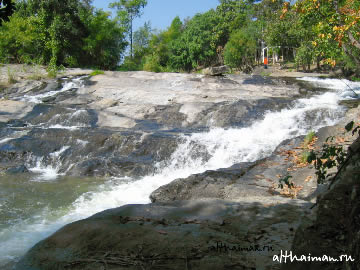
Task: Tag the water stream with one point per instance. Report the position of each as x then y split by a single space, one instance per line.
33 205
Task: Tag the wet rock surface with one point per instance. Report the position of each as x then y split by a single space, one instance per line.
41 117
240 232
242 180
83 152
205 234
213 71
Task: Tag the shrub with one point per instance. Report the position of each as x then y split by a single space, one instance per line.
96 72
11 76
331 155
304 56
308 138
304 157
152 63
239 51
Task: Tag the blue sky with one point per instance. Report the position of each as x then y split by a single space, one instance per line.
161 12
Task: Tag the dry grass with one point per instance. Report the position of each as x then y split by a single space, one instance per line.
11 76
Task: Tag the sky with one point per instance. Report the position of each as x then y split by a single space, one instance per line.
160 13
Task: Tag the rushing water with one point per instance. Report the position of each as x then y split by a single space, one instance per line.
32 207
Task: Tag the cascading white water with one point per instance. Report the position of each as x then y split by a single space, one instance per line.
15 135
195 153
47 171
66 86
347 89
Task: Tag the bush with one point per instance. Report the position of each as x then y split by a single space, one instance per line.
305 157
152 63
331 154
308 138
304 56
11 76
239 51
128 65
96 72
22 40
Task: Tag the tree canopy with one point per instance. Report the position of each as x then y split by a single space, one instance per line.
68 32
74 33
127 11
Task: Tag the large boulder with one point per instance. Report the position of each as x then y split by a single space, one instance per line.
242 180
215 71
207 234
335 230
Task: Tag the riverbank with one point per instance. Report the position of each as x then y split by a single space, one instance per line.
12 73
214 143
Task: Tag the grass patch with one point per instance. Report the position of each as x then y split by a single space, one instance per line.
304 158
355 79
36 73
52 74
11 76
96 72
308 143
265 74
308 138
36 77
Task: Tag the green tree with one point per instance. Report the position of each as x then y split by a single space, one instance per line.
69 32
127 11
142 37
240 50
65 29
234 14
105 43
287 32
160 43
198 43
141 47
335 25
304 56
22 40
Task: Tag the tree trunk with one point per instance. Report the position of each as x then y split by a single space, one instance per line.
131 36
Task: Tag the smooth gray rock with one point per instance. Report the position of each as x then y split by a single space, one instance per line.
242 180
214 71
178 235
174 100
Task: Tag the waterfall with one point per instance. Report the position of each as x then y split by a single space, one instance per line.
66 85
195 153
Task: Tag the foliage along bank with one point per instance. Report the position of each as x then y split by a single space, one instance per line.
321 32
71 33
74 33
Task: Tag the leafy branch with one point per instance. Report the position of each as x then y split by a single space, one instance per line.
331 155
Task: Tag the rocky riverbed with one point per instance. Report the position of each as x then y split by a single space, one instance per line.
208 152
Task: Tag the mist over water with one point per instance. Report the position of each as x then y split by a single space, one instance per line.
195 153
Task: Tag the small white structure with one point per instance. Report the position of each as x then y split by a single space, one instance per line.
275 56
